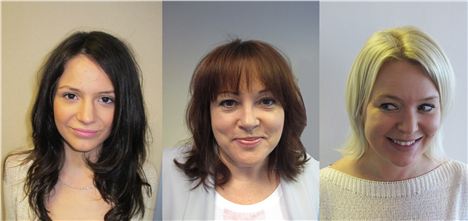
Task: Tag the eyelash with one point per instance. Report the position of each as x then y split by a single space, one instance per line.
421 108
67 96
104 99
267 102
385 107
271 101
110 99
228 103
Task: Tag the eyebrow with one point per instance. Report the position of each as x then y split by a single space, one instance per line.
399 99
78 90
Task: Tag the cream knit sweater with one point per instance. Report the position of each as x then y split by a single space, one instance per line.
441 194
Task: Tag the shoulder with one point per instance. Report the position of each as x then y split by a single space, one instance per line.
456 166
311 169
16 159
16 168
176 153
170 171
150 170
151 175
453 170
302 195
170 155
15 201
308 178
179 199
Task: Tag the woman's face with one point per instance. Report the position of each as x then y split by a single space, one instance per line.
402 116
84 105
247 125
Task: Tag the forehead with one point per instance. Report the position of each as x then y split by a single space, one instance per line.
243 82
84 73
405 80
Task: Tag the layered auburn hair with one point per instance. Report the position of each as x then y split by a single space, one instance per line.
118 172
227 68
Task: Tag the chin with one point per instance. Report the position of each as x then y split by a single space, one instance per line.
83 147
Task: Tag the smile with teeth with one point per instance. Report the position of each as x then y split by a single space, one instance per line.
404 142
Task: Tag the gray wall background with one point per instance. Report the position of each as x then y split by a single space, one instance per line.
192 29
345 27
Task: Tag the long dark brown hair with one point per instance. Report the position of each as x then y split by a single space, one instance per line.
118 173
222 70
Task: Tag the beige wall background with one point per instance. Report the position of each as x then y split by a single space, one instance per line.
30 30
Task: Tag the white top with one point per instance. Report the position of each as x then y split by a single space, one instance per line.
441 194
271 208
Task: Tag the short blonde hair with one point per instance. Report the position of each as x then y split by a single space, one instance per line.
402 43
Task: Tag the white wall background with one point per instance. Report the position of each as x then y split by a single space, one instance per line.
345 27
30 30
192 29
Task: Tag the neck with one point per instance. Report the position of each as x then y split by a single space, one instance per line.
249 184
75 169
250 174
381 170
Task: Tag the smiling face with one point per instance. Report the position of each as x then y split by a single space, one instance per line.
402 116
247 125
84 105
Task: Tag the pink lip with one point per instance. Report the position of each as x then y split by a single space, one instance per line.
85 133
249 141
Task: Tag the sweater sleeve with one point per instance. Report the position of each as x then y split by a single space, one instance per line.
152 178
13 184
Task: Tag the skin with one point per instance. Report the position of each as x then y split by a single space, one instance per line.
247 126
401 118
83 113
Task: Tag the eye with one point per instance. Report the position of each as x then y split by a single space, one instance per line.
70 96
388 107
267 101
228 103
426 107
106 100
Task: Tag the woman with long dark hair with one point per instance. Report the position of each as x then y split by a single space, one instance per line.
89 134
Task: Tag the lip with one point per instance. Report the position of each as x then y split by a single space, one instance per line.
248 141
404 144
85 133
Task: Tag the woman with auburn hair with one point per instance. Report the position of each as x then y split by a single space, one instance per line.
245 160
89 128
393 167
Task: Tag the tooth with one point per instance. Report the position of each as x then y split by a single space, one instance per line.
404 143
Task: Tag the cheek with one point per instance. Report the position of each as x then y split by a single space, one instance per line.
430 124
376 124
220 123
273 125
60 113
278 122
107 116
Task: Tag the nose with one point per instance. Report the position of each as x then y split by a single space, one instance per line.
248 120
408 122
86 112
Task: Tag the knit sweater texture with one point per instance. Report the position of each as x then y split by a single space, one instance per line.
441 194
